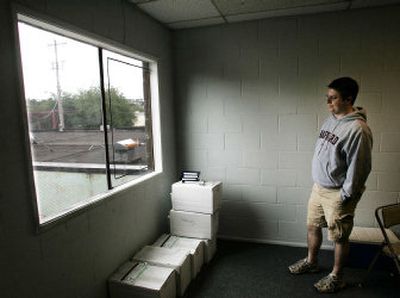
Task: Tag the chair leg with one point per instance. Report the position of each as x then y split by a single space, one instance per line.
371 265
396 261
395 258
374 260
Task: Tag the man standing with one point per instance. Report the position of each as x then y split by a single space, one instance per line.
340 167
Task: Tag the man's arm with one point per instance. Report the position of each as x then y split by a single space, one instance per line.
359 163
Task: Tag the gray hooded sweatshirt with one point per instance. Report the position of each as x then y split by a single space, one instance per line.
342 157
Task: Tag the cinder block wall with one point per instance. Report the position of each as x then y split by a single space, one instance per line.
251 98
75 257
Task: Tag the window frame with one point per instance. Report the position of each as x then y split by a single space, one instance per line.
50 24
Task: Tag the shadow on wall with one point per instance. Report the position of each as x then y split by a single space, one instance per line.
239 219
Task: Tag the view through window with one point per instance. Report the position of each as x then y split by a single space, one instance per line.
89 115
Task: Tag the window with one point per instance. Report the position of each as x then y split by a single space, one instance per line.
92 116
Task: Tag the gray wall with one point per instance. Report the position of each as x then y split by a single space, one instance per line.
251 98
75 257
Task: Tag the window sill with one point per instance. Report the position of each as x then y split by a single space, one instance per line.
94 201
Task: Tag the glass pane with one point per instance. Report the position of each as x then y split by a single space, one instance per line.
126 120
61 81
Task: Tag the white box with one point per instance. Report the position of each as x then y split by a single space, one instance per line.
210 249
194 246
210 245
193 225
177 259
161 240
137 279
196 197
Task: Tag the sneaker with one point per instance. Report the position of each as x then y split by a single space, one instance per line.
303 266
330 284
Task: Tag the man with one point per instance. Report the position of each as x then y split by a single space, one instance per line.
340 167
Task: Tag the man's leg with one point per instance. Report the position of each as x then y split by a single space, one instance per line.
314 240
334 281
309 264
341 253
339 228
315 218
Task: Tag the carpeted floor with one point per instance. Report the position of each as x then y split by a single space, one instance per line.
260 270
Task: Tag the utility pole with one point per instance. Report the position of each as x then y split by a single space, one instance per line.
61 124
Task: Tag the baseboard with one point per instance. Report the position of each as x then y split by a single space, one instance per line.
276 242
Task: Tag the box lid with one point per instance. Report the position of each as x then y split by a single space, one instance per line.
171 257
199 184
148 276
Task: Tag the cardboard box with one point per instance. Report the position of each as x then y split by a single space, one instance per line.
210 249
193 225
161 240
177 259
195 248
196 196
138 279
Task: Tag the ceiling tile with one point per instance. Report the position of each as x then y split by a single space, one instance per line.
368 3
197 23
287 12
178 14
233 7
140 1
170 11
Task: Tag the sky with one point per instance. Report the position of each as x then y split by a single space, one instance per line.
78 66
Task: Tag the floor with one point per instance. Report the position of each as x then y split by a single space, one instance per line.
260 270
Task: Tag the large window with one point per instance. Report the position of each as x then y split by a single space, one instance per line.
91 114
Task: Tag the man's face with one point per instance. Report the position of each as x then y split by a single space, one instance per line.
336 104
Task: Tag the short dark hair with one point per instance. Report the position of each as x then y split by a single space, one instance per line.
347 88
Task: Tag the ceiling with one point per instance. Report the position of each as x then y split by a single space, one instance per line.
178 14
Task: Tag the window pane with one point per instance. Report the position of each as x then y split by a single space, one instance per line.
85 139
126 119
61 80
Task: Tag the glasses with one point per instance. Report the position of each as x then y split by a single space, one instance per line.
331 98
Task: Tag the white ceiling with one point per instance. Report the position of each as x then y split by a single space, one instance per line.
178 14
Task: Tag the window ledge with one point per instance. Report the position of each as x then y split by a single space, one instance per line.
85 205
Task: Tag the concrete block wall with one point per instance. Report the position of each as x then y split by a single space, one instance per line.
250 100
75 257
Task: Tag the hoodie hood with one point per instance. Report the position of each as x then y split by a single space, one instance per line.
358 113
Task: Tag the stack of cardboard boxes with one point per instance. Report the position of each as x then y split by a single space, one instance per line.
166 268
194 212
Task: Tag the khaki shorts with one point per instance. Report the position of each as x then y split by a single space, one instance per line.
325 209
